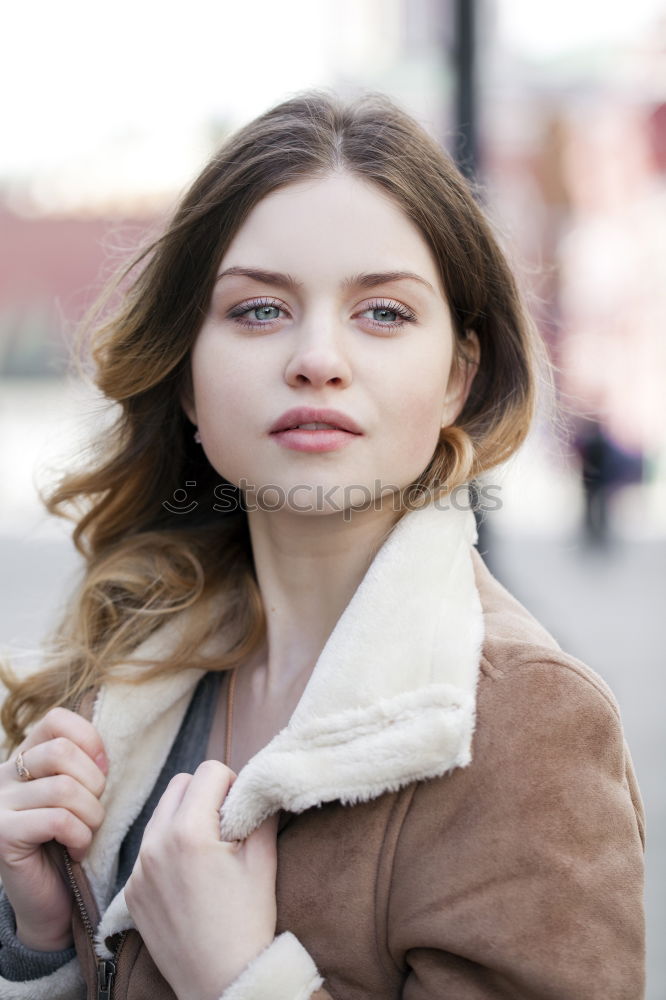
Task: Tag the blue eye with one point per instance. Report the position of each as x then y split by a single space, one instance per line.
392 315
387 313
259 307
388 309
263 310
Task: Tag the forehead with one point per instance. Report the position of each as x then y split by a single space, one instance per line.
328 228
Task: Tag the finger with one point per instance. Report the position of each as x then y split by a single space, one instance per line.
199 808
264 838
62 722
61 756
40 826
169 803
60 791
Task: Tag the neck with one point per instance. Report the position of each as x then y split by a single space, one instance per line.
308 568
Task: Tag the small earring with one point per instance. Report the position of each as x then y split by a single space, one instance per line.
197 436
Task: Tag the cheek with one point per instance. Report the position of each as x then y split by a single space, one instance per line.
414 418
221 384
417 424
415 396
226 408
423 408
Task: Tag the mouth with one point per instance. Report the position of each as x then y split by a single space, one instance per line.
307 430
313 427
315 421
314 437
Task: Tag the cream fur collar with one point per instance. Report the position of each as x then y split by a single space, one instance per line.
391 700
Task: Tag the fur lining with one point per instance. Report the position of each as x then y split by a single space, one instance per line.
283 971
63 984
391 700
131 777
117 917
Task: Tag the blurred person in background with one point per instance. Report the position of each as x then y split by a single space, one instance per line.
292 751
604 468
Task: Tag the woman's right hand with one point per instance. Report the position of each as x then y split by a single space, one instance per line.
65 756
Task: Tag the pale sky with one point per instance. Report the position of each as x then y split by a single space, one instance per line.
86 76
100 97
544 29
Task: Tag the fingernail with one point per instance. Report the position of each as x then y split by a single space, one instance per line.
102 762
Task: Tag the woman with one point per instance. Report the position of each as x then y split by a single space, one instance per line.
305 745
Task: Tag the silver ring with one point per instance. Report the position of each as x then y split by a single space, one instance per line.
21 769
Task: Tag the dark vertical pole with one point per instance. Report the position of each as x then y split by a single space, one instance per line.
466 155
466 148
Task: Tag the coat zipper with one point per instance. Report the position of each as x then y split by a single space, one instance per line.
106 970
106 967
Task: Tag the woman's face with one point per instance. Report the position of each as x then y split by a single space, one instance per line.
327 324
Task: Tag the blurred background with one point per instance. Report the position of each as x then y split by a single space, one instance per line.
558 113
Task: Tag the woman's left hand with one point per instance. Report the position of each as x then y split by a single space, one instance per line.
204 907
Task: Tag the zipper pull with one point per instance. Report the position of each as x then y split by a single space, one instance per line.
106 970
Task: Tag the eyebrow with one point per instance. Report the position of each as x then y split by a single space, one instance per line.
363 280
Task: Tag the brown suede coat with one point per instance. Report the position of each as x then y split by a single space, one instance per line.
516 877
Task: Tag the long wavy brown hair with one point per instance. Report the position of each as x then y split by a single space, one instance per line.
143 563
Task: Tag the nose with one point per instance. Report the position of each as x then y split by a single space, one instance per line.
318 357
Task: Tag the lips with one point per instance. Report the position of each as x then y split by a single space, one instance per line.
306 415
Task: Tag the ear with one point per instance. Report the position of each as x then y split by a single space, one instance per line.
464 367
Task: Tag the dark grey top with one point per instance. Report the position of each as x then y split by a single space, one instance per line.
18 963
